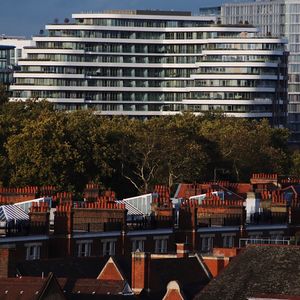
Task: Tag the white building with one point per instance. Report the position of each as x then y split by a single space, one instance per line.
20 44
275 17
146 63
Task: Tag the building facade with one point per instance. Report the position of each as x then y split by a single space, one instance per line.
280 18
148 63
6 69
19 43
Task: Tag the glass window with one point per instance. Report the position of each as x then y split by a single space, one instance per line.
33 251
161 245
109 247
228 241
137 244
84 248
207 243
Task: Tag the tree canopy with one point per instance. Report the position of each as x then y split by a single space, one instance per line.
41 146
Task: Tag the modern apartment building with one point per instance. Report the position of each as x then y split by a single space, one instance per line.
148 63
19 43
275 17
6 70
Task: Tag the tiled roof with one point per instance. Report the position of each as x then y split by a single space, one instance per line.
88 286
31 288
257 270
21 288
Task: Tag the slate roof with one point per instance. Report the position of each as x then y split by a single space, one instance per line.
21 288
93 289
71 267
187 271
77 276
258 269
30 288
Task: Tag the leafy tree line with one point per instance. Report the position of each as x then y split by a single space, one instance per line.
41 146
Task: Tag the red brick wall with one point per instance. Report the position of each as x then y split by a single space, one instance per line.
216 264
7 262
140 270
228 252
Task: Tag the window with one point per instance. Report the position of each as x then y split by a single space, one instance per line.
33 251
84 248
161 244
255 237
207 242
109 247
138 244
228 240
19 53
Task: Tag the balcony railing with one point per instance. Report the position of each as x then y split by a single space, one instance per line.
262 241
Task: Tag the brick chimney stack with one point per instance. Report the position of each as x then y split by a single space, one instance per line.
7 262
140 271
182 250
39 216
63 219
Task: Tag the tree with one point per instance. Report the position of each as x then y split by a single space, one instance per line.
247 146
185 152
141 153
3 94
42 155
295 168
85 136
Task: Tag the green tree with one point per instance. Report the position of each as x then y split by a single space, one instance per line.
41 153
3 94
141 153
247 146
185 152
295 164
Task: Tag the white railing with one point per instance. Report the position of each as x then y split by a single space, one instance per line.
246 241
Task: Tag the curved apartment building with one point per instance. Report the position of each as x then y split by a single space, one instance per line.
145 63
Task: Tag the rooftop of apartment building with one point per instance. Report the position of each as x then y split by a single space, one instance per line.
267 199
11 37
255 272
148 12
144 275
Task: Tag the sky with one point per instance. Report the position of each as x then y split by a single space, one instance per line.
28 17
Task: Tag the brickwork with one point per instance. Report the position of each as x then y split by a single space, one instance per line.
91 192
264 178
63 219
182 250
7 262
39 218
140 275
215 264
